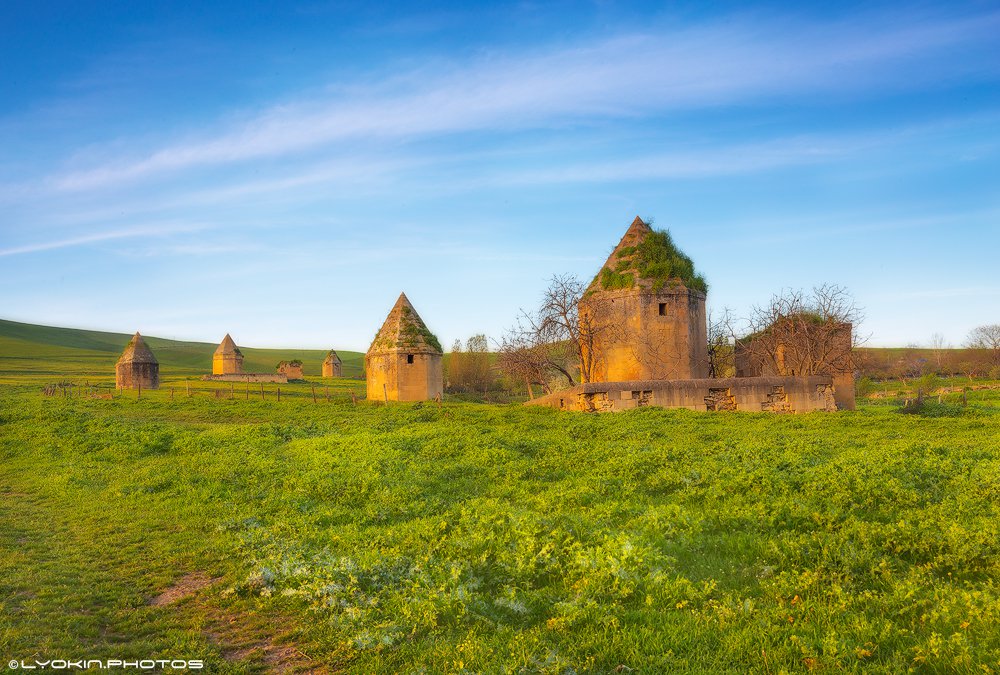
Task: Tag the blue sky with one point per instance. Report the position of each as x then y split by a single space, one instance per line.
281 171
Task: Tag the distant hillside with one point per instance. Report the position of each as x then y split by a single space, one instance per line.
29 348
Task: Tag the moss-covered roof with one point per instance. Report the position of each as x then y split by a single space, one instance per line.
331 356
647 259
137 351
404 330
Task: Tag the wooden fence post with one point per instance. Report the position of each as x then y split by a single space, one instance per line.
354 397
279 394
314 393
232 390
327 393
261 391
171 393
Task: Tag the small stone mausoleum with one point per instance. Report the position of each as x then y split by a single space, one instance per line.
137 368
404 361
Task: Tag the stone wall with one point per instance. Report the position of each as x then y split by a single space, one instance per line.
332 369
640 334
756 394
247 377
291 371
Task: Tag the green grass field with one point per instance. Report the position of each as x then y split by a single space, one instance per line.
264 536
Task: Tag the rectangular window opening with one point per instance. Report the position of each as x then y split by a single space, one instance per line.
409 358
663 309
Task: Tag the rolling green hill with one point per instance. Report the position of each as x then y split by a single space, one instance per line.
48 350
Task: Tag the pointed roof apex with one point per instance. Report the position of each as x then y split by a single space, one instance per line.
137 351
227 346
646 260
638 227
404 330
332 356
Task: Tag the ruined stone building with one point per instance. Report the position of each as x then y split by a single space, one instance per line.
800 345
292 370
404 362
332 365
228 359
644 342
137 367
643 315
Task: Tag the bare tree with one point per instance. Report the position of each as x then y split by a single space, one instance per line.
803 334
938 346
987 338
721 343
555 341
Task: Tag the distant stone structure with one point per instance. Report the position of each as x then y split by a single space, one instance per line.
332 365
292 370
228 359
404 361
645 323
137 367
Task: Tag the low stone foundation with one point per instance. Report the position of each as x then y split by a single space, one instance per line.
757 394
247 377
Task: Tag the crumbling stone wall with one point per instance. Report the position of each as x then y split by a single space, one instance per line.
753 394
292 371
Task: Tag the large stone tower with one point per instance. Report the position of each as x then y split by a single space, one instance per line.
137 368
643 315
404 361
228 359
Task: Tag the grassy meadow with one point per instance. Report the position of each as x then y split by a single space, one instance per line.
264 536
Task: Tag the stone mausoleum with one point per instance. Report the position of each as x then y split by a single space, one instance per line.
404 362
228 359
137 368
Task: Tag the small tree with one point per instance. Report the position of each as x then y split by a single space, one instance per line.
987 338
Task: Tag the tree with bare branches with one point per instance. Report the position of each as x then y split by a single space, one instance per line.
987 338
802 334
721 343
556 341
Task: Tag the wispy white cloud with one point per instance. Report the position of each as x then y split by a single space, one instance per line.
155 230
627 76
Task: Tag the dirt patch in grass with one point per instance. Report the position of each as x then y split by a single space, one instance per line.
185 587
240 637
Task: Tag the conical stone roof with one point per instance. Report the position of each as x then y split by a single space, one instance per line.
227 347
331 357
137 351
404 330
646 259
